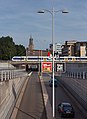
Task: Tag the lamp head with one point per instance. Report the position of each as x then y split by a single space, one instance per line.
41 11
65 11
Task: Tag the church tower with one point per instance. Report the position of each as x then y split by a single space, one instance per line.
30 48
31 45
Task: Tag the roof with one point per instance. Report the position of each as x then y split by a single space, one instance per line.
66 103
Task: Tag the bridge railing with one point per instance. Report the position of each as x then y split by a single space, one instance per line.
78 75
6 75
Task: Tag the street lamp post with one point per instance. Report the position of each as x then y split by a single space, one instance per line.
52 12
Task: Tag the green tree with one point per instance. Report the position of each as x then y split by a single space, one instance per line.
8 49
20 50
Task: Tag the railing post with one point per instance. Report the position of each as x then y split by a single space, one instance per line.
74 74
5 75
83 75
2 76
77 75
80 74
8 75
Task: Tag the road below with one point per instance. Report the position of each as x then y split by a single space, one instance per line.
62 96
32 106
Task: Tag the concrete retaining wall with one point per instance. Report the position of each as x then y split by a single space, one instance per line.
9 91
77 87
75 80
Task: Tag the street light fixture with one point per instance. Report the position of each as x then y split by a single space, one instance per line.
45 10
52 12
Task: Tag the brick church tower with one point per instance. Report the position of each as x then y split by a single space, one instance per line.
31 45
29 50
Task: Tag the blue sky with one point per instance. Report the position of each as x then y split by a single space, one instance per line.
19 19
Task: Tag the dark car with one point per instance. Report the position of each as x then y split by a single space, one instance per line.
66 110
55 82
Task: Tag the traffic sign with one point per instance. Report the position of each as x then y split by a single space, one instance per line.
46 66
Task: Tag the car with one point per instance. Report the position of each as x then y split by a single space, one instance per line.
66 109
51 82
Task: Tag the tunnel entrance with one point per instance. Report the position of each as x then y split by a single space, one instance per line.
32 67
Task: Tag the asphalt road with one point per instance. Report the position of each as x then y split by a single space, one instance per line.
62 96
32 106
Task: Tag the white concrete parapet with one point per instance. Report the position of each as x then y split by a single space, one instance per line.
10 74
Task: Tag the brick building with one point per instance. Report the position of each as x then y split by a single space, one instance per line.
30 51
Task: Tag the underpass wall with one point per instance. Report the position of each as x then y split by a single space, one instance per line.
75 81
77 90
9 92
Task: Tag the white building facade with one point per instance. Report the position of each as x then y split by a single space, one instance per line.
58 49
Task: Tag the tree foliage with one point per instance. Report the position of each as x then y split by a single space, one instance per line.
8 48
20 50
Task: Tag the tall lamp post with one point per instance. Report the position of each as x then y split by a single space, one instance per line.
52 12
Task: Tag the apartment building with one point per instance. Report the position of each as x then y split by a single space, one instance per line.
68 48
81 49
57 49
74 48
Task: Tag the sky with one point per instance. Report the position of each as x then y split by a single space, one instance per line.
19 19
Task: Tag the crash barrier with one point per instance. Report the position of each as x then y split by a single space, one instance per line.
9 91
77 87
